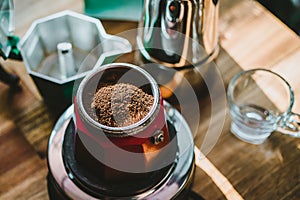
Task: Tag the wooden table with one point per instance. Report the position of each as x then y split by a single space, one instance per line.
249 37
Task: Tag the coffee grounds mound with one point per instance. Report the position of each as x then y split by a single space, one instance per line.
121 104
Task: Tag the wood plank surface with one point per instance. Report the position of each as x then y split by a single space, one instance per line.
249 36
274 46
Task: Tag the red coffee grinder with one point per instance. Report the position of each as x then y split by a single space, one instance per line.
150 159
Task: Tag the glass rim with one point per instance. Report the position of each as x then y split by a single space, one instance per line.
233 81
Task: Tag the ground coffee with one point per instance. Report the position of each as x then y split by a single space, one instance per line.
121 104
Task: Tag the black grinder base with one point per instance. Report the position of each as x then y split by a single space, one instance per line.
67 180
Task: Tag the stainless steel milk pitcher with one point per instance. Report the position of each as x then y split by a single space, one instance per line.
179 33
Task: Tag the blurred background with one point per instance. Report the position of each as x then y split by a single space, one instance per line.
288 11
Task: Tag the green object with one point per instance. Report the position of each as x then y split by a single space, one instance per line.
6 26
130 10
13 42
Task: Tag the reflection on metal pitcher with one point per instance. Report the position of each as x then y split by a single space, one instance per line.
179 33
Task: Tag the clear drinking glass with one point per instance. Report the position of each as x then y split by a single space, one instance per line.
260 102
